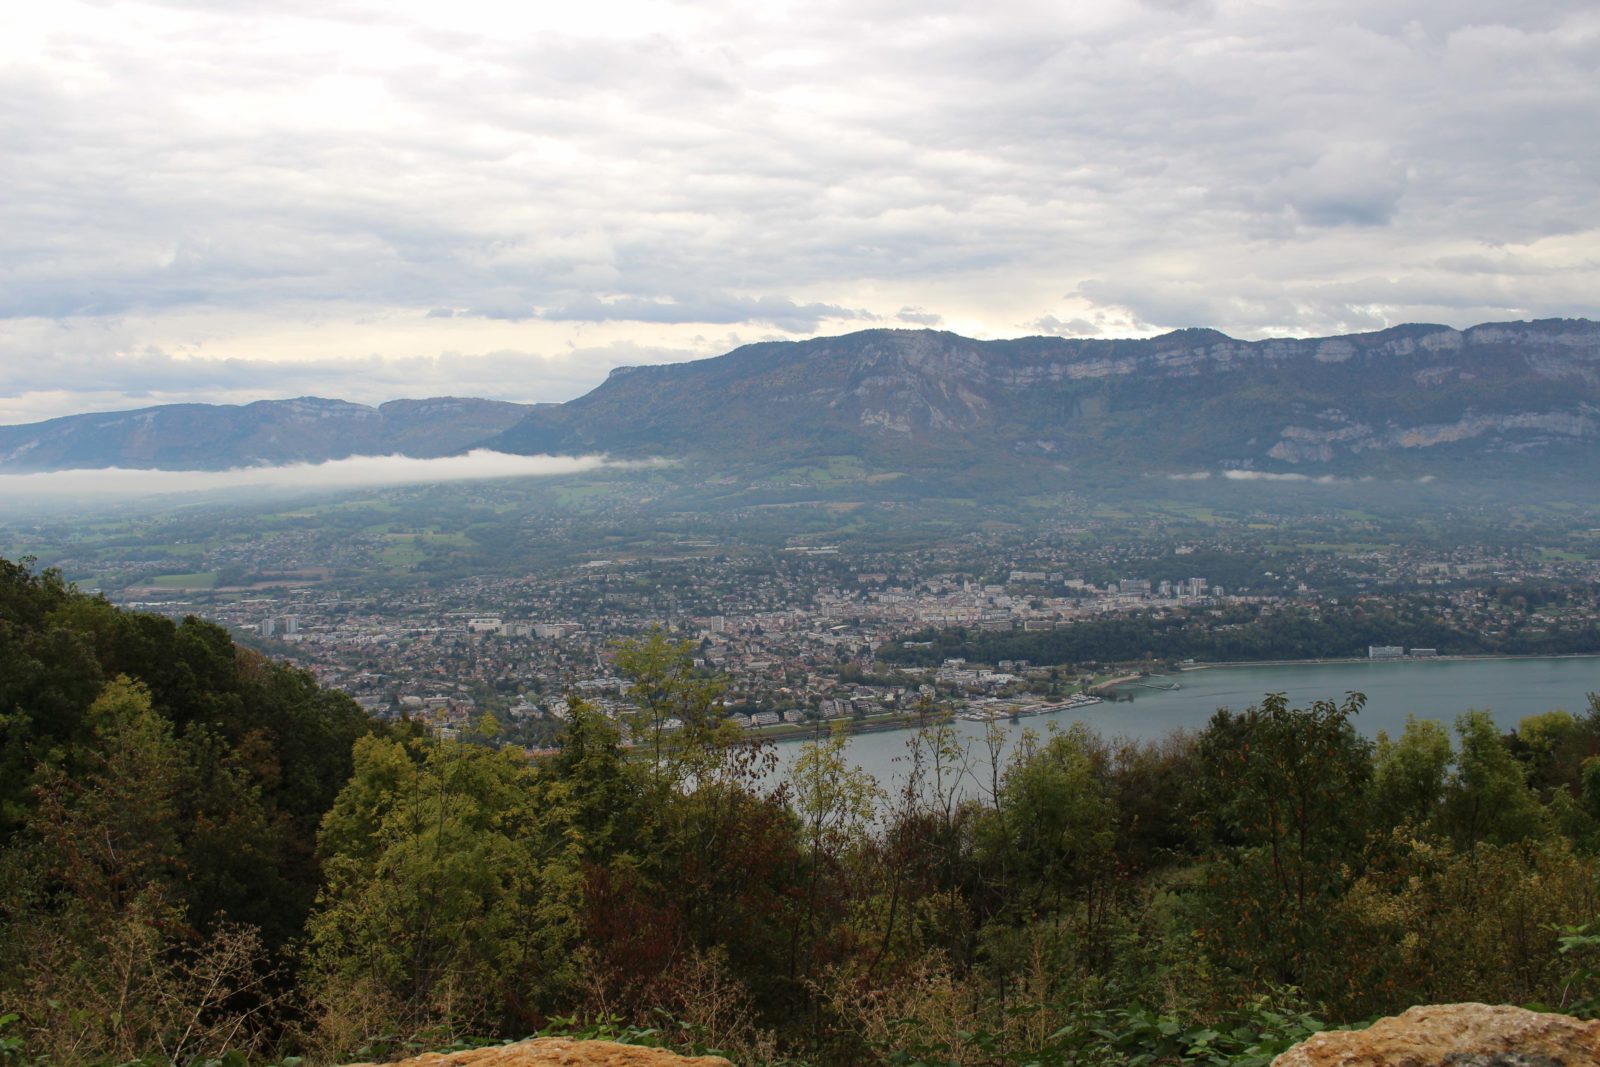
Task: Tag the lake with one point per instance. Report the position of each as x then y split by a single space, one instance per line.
1429 689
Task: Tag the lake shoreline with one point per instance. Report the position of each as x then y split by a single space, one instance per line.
1336 660
1129 684
1509 687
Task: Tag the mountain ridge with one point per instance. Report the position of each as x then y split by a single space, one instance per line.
1335 404
263 432
1511 399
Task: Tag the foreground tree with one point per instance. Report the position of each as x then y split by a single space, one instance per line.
105 964
678 721
1410 773
451 902
1284 799
1487 798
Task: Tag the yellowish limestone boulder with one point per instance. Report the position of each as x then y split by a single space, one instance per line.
561 1052
1455 1035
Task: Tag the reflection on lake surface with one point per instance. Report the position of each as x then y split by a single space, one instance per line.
1428 689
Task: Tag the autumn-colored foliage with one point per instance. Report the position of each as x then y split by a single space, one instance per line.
203 851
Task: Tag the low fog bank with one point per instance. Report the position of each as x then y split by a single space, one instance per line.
86 486
1274 476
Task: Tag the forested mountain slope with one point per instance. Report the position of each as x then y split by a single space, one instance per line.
1411 400
267 432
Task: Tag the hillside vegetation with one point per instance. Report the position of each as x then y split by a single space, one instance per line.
202 852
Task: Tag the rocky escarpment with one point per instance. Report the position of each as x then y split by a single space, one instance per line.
1399 401
1455 1035
1522 431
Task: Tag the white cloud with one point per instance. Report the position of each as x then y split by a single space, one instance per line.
1270 476
336 474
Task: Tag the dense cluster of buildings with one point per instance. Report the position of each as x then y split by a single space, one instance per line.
792 630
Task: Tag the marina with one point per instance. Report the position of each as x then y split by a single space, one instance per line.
994 709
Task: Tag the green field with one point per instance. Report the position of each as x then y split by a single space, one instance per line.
193 580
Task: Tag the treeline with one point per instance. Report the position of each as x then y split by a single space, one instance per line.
161 791
203 851
1244 632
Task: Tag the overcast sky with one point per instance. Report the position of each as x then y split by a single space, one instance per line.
228 200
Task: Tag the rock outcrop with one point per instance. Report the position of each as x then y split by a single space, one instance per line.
560 1052
1455 1035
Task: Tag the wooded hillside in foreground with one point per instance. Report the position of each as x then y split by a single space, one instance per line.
202 851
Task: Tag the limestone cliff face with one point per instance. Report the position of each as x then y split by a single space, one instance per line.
1394 401
1519 431
1455 1035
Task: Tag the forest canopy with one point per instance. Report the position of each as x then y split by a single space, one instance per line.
203 851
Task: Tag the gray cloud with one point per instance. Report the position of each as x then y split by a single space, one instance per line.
1049 324
32 391
770 311
1263 168
917 316
1350 185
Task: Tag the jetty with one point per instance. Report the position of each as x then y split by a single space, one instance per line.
994 710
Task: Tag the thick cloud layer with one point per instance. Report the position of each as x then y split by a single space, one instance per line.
209 200
357 471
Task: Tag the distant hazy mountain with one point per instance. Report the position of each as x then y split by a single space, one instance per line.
217 437
1409 400
1507 399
